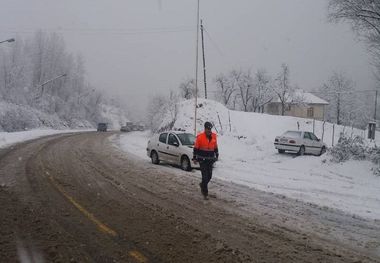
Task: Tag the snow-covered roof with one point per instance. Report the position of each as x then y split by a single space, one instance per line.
303 96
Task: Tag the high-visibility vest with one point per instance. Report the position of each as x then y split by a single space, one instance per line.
205 148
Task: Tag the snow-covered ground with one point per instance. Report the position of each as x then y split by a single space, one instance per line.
248 157
9 138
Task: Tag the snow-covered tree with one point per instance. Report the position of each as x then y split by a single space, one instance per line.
262 92
244 83
364 16
187 88
30 62
338 91
225 89
282 88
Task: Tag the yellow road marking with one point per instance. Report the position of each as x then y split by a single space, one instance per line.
102 227
137 255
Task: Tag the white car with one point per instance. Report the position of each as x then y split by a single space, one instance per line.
301 142
173 147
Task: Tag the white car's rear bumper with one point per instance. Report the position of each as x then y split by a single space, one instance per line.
286 147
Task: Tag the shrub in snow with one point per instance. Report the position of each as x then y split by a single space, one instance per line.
374 155
355 149
348 148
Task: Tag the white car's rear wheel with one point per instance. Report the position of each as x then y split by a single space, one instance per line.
154 157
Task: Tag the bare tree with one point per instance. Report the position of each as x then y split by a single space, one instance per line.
187 88
225 89
364 16
262 93
244 83
338 92
282 88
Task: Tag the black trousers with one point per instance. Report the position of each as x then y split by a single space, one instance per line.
206 170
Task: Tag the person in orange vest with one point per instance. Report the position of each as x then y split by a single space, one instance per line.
206 153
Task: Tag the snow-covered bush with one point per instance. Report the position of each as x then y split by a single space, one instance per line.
349 148
355 149
18 118
374 155
162 112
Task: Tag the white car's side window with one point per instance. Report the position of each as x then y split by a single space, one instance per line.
162 138
172 140
313 137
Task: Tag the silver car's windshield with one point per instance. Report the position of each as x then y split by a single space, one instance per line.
186 138
292 134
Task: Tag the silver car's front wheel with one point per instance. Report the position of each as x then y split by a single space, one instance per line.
301 152
323 150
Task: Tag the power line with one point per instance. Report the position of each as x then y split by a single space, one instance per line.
112 31
213 42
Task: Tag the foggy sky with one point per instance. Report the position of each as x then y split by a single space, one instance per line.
136 48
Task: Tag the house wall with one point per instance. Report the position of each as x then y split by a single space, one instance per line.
297 111
273 108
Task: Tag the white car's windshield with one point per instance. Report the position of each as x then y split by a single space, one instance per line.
292 134
186 138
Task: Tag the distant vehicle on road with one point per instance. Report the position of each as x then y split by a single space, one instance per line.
102 127
173 147
128 127
135 127
301 142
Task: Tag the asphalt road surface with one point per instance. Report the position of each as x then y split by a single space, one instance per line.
78 198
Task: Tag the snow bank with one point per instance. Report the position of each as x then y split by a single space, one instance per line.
9 138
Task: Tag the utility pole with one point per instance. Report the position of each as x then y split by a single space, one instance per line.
375 106
204 60
196 74
338 109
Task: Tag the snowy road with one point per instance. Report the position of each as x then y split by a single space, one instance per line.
78 198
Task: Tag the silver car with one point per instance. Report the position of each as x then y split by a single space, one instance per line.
173 147
301 142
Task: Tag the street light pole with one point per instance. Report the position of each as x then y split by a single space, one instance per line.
8 40
50 80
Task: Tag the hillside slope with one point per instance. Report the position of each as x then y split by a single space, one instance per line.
261 128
